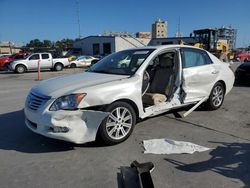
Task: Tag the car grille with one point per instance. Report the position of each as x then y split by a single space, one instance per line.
35 100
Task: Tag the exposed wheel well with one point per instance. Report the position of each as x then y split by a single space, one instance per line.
224 84
132 103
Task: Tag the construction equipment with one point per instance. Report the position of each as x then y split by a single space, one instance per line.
208 40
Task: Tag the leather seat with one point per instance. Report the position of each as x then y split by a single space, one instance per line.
160 84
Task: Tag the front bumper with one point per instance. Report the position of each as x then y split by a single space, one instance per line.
79 126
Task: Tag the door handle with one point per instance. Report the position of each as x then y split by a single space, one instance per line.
215 72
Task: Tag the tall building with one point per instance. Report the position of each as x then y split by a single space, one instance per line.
159 29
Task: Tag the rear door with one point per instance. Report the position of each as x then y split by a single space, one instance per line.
199 74
46 61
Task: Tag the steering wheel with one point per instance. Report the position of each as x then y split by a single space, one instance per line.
145 82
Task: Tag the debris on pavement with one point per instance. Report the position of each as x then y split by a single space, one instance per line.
167 146
138 175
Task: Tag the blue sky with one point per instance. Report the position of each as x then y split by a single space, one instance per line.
24 20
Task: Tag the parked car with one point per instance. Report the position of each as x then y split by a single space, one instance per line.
243 72
31 63
108 99
13 57
82 61
244 56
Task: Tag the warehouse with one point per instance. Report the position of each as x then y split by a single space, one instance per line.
103 45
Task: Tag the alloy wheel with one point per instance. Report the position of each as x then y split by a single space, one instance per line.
217 96
119 123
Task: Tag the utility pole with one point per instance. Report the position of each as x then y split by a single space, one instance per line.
78 18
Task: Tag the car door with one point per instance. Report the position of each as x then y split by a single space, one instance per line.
199 74
83 61
46 61
33 61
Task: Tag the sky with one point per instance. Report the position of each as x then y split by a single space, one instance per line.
24 20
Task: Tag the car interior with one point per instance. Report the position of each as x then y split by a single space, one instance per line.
159 78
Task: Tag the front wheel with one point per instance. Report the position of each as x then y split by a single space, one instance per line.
20 69
216 97
118 126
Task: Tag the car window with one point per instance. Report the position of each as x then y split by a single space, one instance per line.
81 58
34 57
194 57
45 56
124 62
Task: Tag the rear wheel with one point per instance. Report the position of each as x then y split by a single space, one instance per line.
58 67
20 69
73 65
216 97
118 126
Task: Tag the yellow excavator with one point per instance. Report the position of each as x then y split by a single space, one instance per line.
208 40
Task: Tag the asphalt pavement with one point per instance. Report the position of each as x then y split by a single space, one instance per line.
31 160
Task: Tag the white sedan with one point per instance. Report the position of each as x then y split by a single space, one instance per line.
107 99
82 61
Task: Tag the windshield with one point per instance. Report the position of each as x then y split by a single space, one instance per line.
123 63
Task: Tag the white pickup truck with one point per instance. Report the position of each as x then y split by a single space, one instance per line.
31 63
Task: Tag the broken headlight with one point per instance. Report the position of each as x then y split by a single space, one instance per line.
68 102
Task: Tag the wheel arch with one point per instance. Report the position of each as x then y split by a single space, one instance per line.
59 62
223 83
21 64
132 103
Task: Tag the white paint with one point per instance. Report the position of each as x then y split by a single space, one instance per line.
167 146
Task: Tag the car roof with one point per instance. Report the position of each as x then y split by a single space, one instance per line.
162 47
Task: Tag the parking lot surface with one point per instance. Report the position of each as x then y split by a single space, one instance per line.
31 160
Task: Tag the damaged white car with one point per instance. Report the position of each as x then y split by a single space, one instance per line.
106 100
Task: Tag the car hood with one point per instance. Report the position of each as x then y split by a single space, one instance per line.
64 85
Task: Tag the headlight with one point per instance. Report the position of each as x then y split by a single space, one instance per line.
68 102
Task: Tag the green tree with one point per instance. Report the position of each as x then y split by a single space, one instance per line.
47 43
35 43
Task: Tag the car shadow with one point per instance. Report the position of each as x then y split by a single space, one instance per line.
14 135
228 159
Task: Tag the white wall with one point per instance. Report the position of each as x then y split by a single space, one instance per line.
86 44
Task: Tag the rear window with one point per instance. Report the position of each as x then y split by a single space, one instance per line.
194 58
45 56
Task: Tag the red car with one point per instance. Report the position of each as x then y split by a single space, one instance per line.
13 57
244 56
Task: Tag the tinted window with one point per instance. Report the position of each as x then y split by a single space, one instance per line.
194 57
45 56
34 57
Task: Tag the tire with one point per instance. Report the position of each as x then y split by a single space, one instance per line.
73 65
216 97
20 69
58 67
114 130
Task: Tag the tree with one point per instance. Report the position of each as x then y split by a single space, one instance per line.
64 43
47 43
35 43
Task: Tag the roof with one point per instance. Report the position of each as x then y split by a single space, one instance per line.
161 47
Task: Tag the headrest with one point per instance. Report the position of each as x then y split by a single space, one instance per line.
166 60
